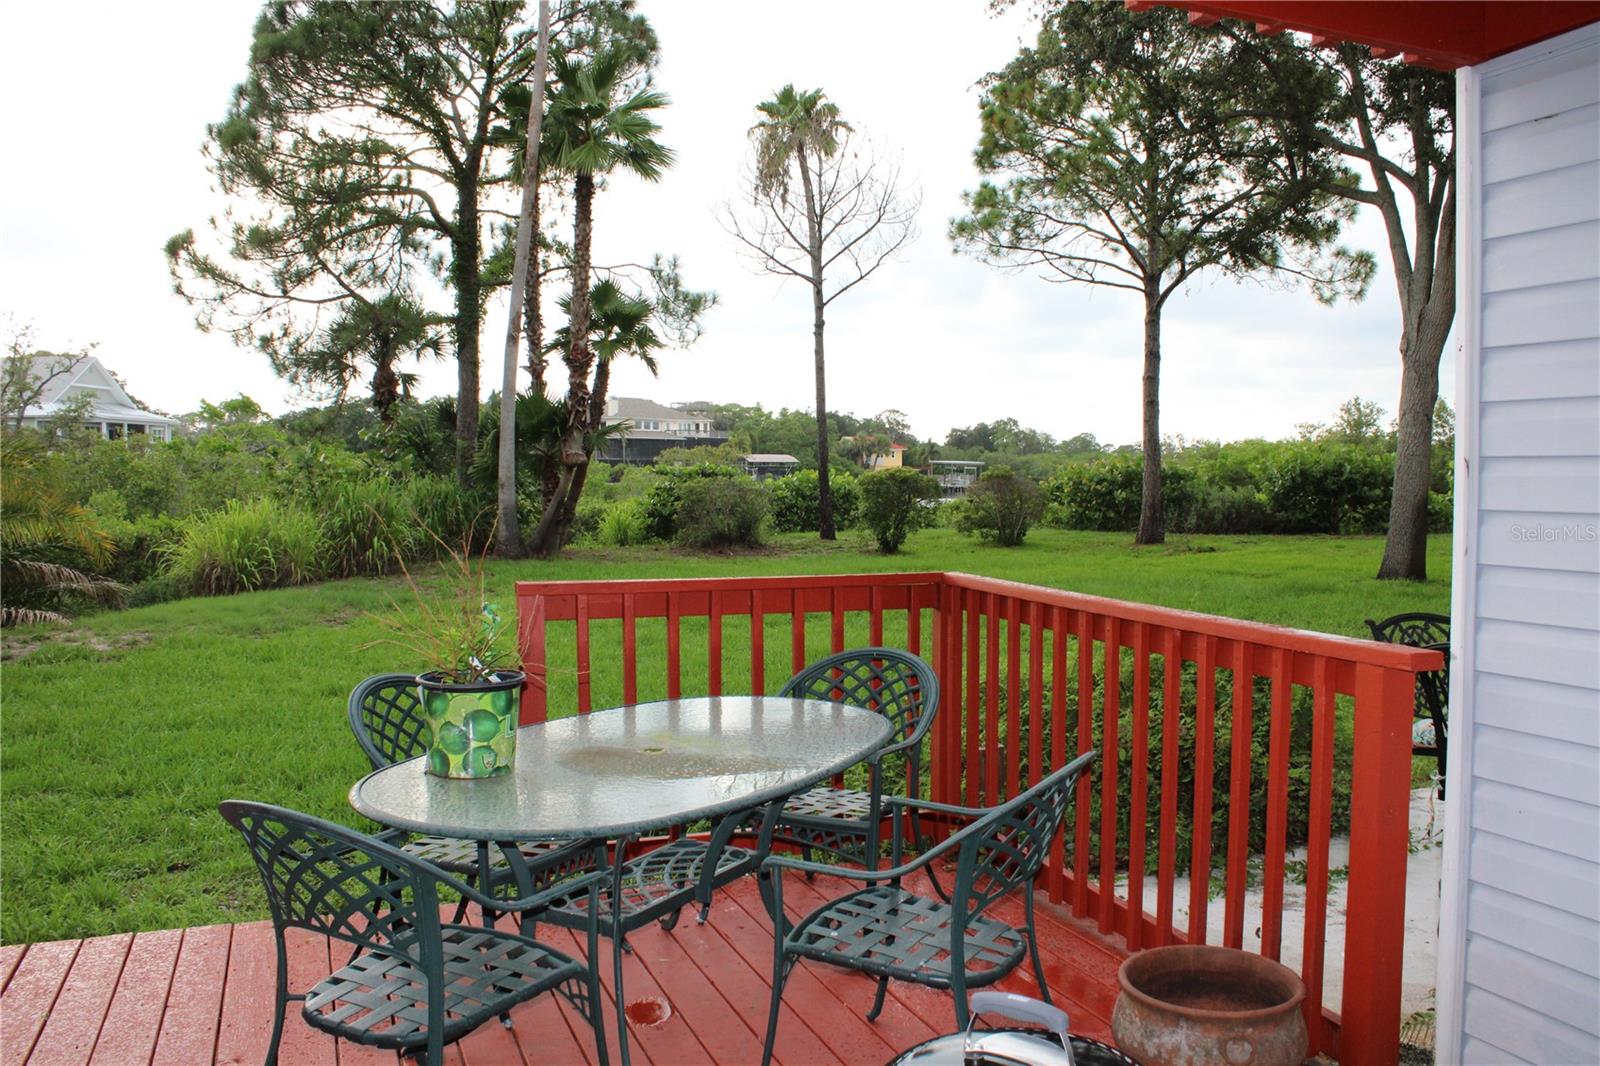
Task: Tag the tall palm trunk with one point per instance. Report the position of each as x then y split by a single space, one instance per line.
552 530
825 528
509 535
1152 522
532 311
466 273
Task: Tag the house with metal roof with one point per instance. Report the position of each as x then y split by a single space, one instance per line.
645 429
111 411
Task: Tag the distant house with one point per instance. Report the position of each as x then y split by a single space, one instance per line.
955 476
765 465
894 457
111 411
649 428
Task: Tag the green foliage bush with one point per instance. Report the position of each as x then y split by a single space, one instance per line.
718 512
893 503
251 545
1001 507
797 501
661 503
621 525
369 527
1105 494
440 506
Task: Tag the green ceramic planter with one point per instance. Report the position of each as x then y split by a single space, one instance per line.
472 729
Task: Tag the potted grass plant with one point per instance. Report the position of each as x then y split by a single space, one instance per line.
470 694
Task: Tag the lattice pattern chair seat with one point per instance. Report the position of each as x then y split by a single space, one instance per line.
902 688
890 933
381 999
413 983
884 930
654 884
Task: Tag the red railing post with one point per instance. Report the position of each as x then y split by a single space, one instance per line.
530 641
1380 801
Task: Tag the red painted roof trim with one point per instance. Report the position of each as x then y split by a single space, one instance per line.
1444 34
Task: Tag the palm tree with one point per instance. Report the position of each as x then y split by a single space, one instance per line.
376 332
591 134
796 129
38 526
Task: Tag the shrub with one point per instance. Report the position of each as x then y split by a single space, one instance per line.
1001 507
1105 494
661 503
621 525
797 501
892 505
1214 508
252 545
157 589
1322 487
141 546
443 508
716 512
369 528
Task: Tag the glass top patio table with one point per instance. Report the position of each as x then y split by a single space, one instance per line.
617 772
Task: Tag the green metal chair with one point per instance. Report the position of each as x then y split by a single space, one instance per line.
886 931
1431 710
386 718
902 688
413 983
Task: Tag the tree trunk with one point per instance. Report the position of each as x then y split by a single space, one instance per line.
508 535
469 315
1152 522
551 533
532 313
1405 548
825 528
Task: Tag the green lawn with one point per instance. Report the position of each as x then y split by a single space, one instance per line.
120 735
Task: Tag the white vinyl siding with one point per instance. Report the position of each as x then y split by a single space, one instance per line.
1520 934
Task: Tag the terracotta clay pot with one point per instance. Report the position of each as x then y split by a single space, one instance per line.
1209 1006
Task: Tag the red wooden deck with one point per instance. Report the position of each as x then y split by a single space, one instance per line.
204 995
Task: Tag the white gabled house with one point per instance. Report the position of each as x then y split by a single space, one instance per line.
111 411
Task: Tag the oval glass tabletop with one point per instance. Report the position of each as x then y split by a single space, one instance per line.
616 772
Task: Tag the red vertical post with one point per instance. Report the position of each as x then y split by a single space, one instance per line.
674 649
1317 831
630 650
1058 739
797 633
714 645
1139 786
1380 796
1110 756
1238 797
1013 695
836 605
1037 718
971 794
535 691
875 617
1277 806
1171 719
991 703
1205 738
1084 630
581 611
758 645
914 622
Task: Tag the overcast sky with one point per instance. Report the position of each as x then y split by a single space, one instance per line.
103 109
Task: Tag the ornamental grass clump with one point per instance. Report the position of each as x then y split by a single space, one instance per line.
459 637
248 545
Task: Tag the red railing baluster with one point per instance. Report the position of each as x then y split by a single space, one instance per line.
1037 718
991 702
1138 786
1058 739
1171 721
630 650
1084 630
836 606
1238 798
1013 695
714 645
581 610
1322 715
1205 738
972 781
1277 807
913 625
674 650
758 643
1110 756
797 633
875 618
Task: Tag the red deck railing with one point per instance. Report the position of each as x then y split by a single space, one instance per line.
1029 673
